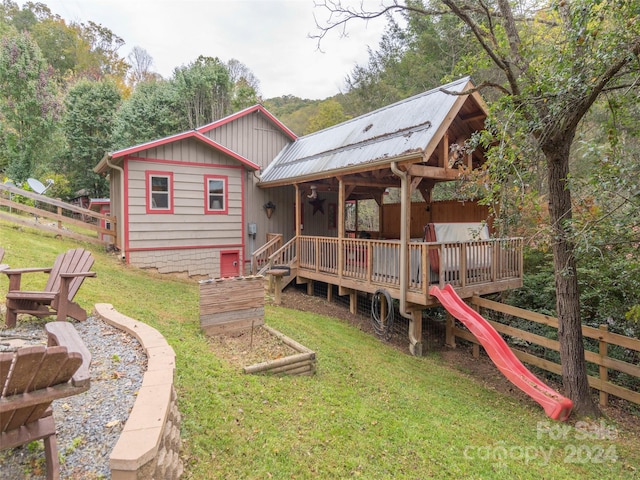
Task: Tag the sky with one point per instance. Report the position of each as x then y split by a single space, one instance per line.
270 37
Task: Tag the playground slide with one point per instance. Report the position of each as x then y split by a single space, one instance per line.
555 405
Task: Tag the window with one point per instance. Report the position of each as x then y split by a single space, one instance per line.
215 194
159 192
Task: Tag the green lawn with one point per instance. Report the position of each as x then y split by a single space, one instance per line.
370 411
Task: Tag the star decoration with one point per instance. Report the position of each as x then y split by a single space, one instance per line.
317 205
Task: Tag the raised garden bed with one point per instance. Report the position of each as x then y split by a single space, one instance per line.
264 350
301 363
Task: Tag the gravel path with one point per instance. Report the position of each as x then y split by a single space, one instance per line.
89 424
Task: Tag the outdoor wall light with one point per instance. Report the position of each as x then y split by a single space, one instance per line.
269 208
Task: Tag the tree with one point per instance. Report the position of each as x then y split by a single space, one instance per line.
152 111
88 124
29 106
102 59
329 113
409 60
556 60
204 88
245 85
60 44
141 63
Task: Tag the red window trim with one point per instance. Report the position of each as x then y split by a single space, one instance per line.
150 208
208 210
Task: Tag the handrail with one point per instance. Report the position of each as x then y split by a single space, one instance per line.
285 255
262 253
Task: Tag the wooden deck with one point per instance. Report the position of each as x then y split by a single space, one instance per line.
473 268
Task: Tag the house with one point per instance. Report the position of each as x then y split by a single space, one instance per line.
197 202
410 146
103 207
189 202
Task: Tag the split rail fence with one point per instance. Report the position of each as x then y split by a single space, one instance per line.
62 218
605 364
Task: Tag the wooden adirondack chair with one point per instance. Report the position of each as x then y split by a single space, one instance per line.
65 277
30 379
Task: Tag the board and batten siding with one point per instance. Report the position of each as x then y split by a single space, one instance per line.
189 239
254 136
258 139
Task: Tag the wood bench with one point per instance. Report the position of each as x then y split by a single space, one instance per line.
64 333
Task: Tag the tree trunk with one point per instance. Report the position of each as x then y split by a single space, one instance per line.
574 370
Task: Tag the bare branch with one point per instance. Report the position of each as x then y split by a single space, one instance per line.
340 15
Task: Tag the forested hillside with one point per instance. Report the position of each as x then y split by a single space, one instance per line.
560 80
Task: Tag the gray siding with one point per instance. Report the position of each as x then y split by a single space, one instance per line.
188 225
253 136
187 240
188 151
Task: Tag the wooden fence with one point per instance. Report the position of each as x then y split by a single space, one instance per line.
62 218
605 339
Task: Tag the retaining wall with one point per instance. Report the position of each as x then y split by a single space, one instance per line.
149 445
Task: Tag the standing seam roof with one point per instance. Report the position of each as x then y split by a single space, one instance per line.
403 127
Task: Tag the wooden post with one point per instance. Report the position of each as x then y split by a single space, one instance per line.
275 276
60 221
463 264
476 346
298 210
450 338
415 333
383 308
604 371
341 204
353 301
278 289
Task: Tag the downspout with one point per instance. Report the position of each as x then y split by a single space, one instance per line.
404 241
121 221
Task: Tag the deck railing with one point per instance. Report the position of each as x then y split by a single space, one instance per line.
461 264
285 255
260 257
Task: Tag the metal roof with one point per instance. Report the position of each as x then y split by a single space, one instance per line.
399 129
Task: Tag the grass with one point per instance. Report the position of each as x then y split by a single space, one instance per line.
370 411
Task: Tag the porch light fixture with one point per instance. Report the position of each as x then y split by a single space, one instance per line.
269 208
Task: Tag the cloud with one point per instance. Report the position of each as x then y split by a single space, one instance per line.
271 37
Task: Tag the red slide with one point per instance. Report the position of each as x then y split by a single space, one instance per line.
555 405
